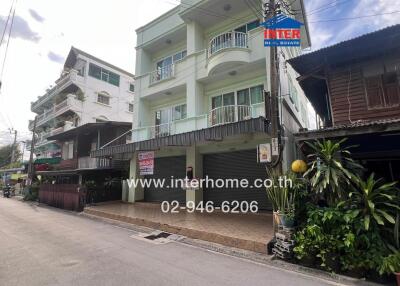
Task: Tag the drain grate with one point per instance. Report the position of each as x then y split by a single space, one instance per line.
157 236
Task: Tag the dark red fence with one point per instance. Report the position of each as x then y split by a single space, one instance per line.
66 196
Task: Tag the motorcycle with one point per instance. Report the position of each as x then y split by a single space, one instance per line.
7 191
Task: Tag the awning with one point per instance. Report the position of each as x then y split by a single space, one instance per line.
216 133
51 161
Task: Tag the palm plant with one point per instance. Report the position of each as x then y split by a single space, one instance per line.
376 201
277 194
329 166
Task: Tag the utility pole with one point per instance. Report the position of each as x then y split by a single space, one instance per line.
270 10
14 146
31 169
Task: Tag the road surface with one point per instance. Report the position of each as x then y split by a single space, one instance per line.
45 246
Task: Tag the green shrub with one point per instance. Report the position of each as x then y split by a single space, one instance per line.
336 237
32 192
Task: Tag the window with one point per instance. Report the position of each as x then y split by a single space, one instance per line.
257 94
179 112
248 27
103 98
131 87
103 74
383 90
130 107
243 97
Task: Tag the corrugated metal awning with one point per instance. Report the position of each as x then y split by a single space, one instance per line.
216 133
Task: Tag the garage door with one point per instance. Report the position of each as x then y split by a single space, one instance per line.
164 168
240 165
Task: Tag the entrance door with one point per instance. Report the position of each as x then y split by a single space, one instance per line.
164 169
240 165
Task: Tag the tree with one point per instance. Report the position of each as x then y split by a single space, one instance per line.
5 154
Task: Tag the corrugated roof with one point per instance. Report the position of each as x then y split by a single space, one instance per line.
367 44
215 133
88 127
381 126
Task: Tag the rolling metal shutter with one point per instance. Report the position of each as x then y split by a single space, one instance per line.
164 168
240 165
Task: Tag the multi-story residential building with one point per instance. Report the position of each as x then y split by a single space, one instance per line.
354 87
88 90
201 75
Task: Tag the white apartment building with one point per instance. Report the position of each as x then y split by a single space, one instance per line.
88 90
201 73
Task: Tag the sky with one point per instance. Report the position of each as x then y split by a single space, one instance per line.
45 30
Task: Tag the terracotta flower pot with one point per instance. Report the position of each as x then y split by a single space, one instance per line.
397 278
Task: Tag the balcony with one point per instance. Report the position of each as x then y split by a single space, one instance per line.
226 51
218 116
70 103
93 163
162 74
65 80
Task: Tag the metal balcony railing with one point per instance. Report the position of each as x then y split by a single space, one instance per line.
93 163
229 114
162 74
227 40
161 130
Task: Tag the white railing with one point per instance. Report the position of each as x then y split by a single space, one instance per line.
57 109
70 76
93 163
227 40
162 74
161 130
229 114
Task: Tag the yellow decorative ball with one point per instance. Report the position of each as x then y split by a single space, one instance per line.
299 166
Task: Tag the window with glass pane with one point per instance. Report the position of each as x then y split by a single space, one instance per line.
243 97
216 102
101 98
229 99
180 112
95 71
113 78
257 94
130 107
241 29
131 87
253 25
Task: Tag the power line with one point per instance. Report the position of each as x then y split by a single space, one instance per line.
8 43
355 18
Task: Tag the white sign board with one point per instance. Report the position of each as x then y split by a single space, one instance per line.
275 147
264 153
146 163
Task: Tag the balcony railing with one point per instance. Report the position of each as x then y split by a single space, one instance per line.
56 110
70 76
229 114
227 40
93 163
163 73
217 116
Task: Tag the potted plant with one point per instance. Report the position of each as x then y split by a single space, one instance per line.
391 265
288 217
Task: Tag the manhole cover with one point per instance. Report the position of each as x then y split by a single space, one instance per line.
157 236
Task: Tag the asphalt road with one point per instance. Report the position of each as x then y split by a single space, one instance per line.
44 246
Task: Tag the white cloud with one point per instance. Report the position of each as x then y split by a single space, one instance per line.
103 28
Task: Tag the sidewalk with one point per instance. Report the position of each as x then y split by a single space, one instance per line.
245 231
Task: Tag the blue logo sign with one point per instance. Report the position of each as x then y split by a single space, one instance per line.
282 31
